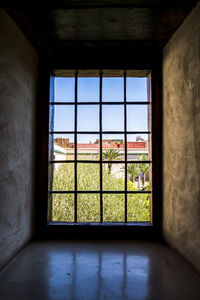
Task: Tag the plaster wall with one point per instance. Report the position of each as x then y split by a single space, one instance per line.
18 76
181 139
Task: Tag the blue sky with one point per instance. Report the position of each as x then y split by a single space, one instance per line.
112 115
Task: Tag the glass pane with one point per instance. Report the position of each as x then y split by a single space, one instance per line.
63 177
64 89
113 177
63 207
138 176
63 147
113 146
136 89
113 208
64 118
88 89
137 118
88 118
112 117
88 177
88 208
137 145
113 89
88 146
138 208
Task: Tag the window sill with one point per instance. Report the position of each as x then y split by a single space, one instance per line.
110 224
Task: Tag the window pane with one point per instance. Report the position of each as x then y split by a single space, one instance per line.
88 146
64 89
88 208
136 89
138 176
64 118
137 118
113 208
88 89
138 208
137 145
63 177
63 207
113 146
113 177
88 118
63 147
113 117
88 177
113 89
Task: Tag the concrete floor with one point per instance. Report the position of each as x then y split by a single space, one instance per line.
58 270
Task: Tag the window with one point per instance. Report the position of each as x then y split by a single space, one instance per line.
100 161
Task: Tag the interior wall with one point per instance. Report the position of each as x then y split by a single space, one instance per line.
181 139
18 77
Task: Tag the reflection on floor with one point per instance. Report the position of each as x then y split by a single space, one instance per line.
58 270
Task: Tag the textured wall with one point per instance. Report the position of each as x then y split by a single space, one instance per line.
181 132
18 74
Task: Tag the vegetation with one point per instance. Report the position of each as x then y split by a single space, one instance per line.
111 154
133 170
89 204
144 168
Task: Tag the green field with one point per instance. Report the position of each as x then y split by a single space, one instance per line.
88 205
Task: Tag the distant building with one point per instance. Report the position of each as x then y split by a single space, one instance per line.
62 142
59 153
91 150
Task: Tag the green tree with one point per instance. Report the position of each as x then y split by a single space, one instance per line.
88 205
144 167
133 170
111 154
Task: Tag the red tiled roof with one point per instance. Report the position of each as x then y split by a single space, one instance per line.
133 145
88 146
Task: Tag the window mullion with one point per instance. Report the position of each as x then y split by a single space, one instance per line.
100 140
125 146
75 148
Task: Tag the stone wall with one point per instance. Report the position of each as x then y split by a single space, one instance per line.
181 139
18 77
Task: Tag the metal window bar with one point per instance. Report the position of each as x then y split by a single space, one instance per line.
104 103
100 132
100 192
100 140
125 148
75 146
97 132
103 161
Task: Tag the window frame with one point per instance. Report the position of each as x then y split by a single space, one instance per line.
44 227
100 103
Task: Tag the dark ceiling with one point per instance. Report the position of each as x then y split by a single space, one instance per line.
72 23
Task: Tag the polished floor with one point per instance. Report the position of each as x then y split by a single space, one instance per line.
58 270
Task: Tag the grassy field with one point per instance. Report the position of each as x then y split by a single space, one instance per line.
138 205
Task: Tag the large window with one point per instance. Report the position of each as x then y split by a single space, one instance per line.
100 148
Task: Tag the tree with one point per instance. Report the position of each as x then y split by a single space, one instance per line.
111 154
133 170
88 206
144 167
